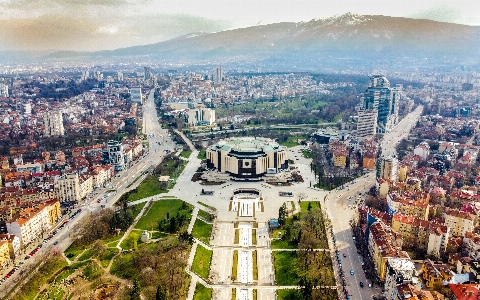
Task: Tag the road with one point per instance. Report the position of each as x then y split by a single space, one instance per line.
340 213
159 141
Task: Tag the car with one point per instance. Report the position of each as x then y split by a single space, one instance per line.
344 254
361 284
99 200
56 242
351 272
369 285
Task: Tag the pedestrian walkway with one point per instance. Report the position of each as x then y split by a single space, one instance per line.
129 230
194 218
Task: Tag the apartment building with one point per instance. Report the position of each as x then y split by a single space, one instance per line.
398 271
471 244
435 274
382 245
421 234
409 203
13 244
459 222
367 122
4 254
67 188
53 124
86 185
387 167
29 224
54 211
340 158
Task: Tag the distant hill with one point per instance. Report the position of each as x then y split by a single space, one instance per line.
349 35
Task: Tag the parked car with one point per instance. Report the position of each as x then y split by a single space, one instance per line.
361 284
351 272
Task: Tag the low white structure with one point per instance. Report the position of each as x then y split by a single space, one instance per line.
246 202
200 116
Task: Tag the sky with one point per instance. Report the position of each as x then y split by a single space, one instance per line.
91 25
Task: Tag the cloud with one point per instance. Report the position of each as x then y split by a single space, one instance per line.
86 31
442 13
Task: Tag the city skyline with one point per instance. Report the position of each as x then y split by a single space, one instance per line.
100 25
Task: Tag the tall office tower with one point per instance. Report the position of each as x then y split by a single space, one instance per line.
120 76
85 75
3 90
367 122
147 73
53 123
380 96
136 94
387 168
218 74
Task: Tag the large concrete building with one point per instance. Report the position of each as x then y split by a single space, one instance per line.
384 99
201 116
247 157
367 122
53 123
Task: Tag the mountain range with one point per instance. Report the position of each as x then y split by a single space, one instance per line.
347 36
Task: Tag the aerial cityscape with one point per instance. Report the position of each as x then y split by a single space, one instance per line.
196 151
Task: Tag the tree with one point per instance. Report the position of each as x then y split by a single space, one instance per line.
281 215
135 295
161 293
301 196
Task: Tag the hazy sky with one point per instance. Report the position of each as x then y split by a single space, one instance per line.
109 24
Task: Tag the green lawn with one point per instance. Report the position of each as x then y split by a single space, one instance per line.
112 242
294 294
158 211
307 154
286 267
186 154
290 294
86 255
202 154
45 272
73 251
148 187
202 231
304 205
132 240
281 244
202 292
289 268
292 141
207 216
122 266
202 261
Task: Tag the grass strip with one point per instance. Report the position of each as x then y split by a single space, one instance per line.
234 265
202 231
255 267
237 237
202 292
202 261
